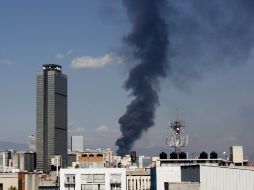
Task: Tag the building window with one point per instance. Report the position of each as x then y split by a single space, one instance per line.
115 178
99 178
129 184
87 178
69 186
87 187
115 182
115 186
93 187
69 179
166 185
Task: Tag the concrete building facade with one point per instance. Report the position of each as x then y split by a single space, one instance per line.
138 179
8 180
236 155
163 175
51 116
93 179
219 177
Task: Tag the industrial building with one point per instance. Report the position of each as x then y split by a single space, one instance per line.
51 116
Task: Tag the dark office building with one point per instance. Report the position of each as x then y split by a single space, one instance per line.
51 116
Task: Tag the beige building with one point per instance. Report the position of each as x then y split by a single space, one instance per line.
91 161
90 158
138 179
8 180
28 181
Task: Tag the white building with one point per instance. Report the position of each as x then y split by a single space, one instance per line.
77 143
5 161
219 177
93 179
236 155
170 170
162 175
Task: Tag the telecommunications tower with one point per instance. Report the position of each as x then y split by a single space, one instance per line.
176 137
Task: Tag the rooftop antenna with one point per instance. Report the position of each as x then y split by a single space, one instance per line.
176 137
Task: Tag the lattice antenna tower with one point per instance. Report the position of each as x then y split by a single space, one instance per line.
176 137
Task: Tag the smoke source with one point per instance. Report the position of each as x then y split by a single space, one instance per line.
149 40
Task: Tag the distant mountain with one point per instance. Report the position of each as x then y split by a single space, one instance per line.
10 145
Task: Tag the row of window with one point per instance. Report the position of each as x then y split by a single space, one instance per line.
93 181
93 178
138 182
93 187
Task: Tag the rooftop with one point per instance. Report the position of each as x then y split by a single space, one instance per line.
52 67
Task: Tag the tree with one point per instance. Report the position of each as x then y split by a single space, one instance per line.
77 166
12 188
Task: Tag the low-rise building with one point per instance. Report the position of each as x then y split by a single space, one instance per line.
138 179
23 161
90 161
93 179
161 175
8 180
90 158
219 177
170 170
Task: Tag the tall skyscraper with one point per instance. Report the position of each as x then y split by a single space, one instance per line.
51 116
77 143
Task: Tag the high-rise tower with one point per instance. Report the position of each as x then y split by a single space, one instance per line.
51 116
77 143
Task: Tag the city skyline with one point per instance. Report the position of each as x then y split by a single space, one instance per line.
215 102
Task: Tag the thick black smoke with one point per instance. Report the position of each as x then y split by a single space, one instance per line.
204 35
149 40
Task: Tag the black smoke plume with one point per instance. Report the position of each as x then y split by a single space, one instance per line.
149 40
205 35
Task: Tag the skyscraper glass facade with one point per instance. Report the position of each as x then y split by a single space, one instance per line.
51 116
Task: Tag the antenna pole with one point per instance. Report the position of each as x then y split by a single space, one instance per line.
176 137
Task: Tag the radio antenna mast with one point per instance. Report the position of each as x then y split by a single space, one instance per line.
176 137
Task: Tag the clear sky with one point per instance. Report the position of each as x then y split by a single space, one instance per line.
215 99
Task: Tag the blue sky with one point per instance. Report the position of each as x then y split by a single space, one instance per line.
37 33
217 105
